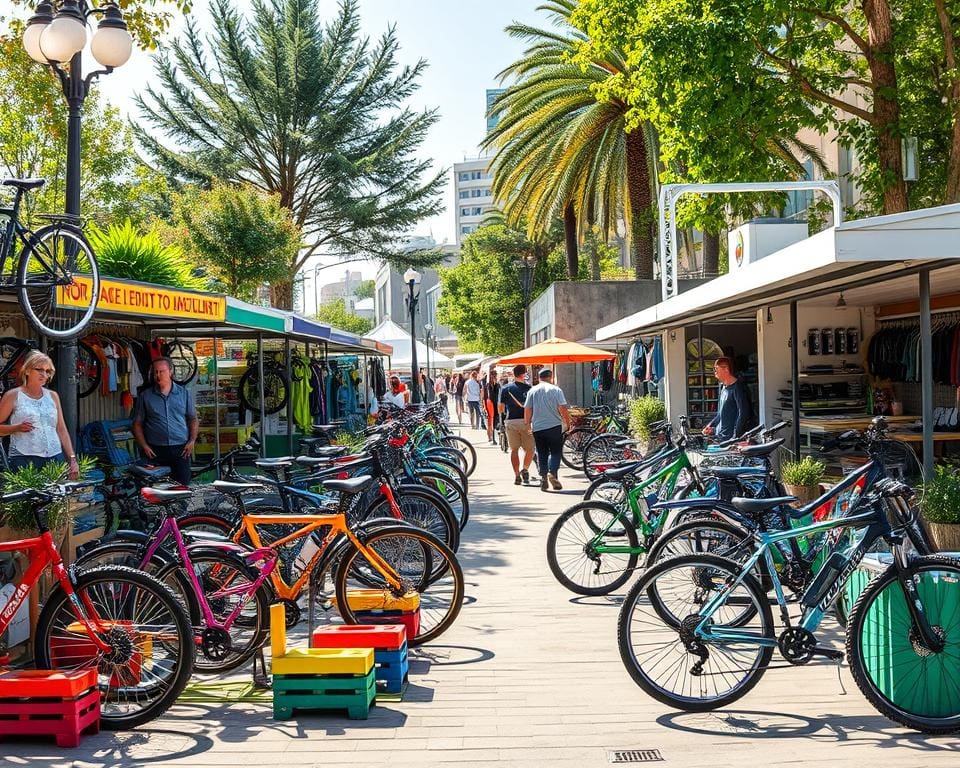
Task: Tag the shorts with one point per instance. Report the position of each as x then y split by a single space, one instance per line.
518 435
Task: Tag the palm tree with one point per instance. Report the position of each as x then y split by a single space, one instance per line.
561 152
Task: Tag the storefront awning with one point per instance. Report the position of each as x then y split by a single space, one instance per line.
866 249
256 317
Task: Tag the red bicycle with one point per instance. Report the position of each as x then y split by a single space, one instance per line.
121 621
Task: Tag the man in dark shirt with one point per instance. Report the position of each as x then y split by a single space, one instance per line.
512 398
734 411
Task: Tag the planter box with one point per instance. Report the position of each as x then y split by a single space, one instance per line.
945 536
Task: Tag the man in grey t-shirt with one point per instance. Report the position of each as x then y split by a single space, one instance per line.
546 411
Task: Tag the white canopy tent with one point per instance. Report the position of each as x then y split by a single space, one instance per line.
390 333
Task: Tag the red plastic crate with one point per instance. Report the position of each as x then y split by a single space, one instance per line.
66 720
380 637
410 620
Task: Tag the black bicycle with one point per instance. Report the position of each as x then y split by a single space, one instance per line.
52 269
276 388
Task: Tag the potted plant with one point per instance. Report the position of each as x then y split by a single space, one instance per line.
645 411
802 478
940 506
18 516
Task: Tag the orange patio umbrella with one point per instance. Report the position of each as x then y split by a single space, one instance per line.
556 351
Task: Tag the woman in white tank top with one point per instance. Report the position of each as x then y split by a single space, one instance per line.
37 432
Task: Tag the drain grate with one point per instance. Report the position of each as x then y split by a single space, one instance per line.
634 755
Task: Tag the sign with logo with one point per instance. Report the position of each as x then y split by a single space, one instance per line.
738 251
204 348
142 299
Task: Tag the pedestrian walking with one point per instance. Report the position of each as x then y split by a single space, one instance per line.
37 431
165 422
519 435
472 392
491 396
546 412
440 390
458 391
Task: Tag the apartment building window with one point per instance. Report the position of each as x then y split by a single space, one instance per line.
464 193
465 176
464 211
466 229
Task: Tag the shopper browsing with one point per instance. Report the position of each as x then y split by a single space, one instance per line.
547 414
519 436
165 423
37 431
734 410
472 392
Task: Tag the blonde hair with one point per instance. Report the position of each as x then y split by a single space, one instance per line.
30 362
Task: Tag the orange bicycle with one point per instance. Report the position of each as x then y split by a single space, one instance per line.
123 622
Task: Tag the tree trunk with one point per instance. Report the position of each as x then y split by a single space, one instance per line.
281 294
639 206
950 50
711 254
886 105
570 241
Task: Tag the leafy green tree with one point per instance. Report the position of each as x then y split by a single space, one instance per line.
482 299
335 313
244 236
125 252
311 112
33 142
366 289
563 145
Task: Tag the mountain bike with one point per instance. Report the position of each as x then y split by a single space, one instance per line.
44 265
276 387
600 420
696 632
122 622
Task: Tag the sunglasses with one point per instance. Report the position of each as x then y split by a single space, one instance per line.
48 371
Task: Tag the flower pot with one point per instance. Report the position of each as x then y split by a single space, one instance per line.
804 493
946 536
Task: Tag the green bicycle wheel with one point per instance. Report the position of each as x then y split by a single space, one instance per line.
911 684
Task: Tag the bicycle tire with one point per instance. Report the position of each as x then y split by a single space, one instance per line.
569 555
601 449
177 636
412 553
89 371
256 626
422 507
275 390
571 451
450 489
630 625
207 522
879 630
717 537
465 447
448 454
184 361
53 254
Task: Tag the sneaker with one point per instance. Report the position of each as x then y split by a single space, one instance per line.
526 477
554 483
517 480
543 484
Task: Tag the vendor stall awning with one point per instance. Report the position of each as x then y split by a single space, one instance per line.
866 249
253 316
388 332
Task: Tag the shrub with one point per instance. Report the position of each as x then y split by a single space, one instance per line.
940 497
18 515
644 411
805 473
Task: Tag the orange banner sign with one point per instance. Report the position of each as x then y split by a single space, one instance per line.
142 299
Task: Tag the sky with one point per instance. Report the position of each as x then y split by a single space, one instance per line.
465 46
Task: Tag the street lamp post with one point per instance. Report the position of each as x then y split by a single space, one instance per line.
427 330
55 35
526 266
412 278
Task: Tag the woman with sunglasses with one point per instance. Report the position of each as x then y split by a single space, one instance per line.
37 432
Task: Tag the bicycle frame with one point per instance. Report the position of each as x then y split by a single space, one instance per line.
43 553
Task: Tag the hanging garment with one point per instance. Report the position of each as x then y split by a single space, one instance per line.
656 358
300 392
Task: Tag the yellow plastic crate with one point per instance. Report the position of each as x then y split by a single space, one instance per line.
324 661
379 600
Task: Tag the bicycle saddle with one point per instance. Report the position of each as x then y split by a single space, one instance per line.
24 184
764 449
325 429
284 462
753 506
350 485
310 442
620 472
313 461
230 486
735 472
148 474
331 451
165 495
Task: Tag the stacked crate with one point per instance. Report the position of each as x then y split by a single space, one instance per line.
64 705
374 606
389 643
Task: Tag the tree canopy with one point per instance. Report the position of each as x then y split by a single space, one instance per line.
335 313
312 112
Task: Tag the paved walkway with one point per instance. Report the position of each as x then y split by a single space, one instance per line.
529 676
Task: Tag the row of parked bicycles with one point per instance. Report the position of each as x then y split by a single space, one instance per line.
329 534
719 548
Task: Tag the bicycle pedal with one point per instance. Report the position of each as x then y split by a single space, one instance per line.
828 653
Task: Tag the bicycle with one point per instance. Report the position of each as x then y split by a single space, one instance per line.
276 387
696 632
123 622
46 263
602 420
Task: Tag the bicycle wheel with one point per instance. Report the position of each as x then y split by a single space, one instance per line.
601 449
423 508
219 523
88 370
574 441
448 454
275 390
667 660
907 682
54 303
416 557
465 447
602 489
502 439
572 550
716 537
450 489
227 583
184 361
150 638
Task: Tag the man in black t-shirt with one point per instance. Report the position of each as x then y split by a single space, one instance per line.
512 398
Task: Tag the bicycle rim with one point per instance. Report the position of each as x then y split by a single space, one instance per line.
53 302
